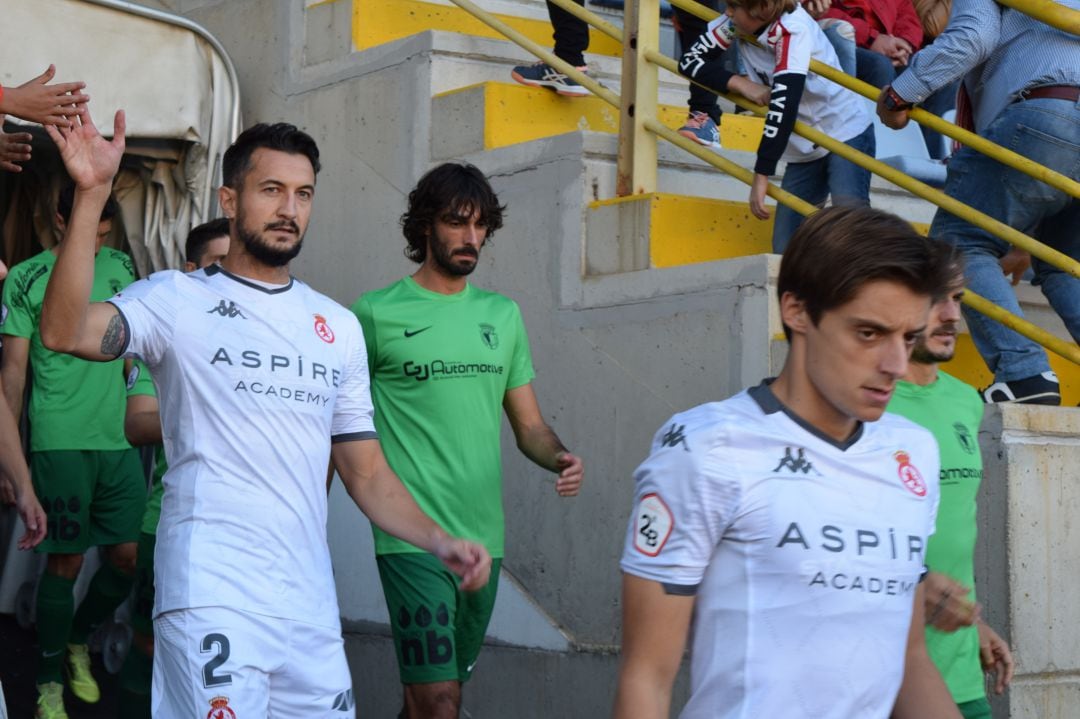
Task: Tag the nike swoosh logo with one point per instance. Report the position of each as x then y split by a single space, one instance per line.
47 655
416 332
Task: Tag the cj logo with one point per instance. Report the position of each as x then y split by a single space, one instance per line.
226 310
435 649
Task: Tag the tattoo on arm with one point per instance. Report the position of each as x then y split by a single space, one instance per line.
115 337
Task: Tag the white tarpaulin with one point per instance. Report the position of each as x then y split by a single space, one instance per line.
176 89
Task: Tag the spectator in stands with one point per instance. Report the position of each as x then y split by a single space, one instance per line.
206 244
15 487
783 61
89 480
36 101
1021 86
571 41
703 120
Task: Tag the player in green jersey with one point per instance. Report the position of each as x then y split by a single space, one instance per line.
206 244
87 476
446 358
959 642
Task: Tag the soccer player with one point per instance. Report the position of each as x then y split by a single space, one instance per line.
791 520
261 381
447 358
88 478
206 244
959 642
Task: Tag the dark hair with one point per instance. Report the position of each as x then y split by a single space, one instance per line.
837 250
67 198
200 237
279 136
457 188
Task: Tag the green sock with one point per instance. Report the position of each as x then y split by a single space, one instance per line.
55 605
107 590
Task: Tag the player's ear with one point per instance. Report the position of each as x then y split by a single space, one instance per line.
793 313
227 200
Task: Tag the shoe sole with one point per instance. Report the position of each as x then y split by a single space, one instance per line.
1051 399
560 89
691 136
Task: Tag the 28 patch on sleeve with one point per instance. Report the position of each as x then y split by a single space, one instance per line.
653 523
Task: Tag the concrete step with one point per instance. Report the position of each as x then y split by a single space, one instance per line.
495 114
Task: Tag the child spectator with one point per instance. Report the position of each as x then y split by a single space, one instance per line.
789 38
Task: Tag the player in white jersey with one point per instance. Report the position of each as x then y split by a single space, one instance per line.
261 382
790 521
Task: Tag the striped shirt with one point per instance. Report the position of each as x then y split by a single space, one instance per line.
999 52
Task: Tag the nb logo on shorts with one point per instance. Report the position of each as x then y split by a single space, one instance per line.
343 702
433 649
226 310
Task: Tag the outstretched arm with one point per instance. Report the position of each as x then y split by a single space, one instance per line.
15 487
655 625
38 101
538 441
69 323
380 495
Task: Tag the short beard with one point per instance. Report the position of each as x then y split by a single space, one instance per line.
260 250
444 260
922 355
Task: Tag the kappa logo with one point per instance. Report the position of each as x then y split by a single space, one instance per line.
909 474
488 335
795 463
963 436
226 310
344 701
323 330
220 709
675 436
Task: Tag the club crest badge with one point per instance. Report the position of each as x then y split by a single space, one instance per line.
220 709
909 474
489 336
323 330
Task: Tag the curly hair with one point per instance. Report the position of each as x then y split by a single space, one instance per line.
454 188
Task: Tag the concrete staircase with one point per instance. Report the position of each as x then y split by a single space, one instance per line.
389 89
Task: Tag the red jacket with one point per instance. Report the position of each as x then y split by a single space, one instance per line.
870 18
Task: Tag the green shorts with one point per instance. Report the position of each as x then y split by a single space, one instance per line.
438 629
978 709
142 607
91 498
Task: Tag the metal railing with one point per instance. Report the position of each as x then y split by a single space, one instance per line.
639 128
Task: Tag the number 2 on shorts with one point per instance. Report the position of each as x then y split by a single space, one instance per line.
209 678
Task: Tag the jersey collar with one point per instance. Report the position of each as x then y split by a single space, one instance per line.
770 404
216 269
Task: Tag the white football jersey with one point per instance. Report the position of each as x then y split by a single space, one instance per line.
804 555
787 46
254 384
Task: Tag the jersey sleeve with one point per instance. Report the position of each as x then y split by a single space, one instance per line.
793 47
521 366
139 381
149 310
362 309
684 502
702 61
17 316
353 411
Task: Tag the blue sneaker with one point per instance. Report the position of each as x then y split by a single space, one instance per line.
543 75
702 129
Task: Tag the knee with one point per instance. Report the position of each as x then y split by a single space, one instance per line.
441 700
66 566
122 557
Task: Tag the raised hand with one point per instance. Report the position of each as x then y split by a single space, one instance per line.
90 159
14 147
38 101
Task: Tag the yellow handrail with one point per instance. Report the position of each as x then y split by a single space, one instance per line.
976 142
1068 351
1052 13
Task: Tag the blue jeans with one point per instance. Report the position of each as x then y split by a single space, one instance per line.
1048 132
813 181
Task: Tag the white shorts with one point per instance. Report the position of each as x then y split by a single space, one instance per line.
219 663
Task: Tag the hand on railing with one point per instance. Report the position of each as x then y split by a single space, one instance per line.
752 91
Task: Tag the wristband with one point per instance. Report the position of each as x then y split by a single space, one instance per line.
893 102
